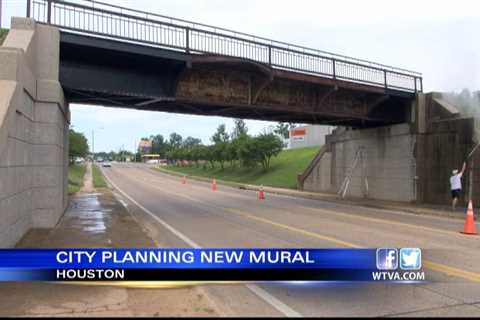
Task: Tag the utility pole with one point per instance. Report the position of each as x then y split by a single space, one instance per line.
1 6
135 151
93 146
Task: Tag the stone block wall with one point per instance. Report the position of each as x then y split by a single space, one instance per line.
319 179
387 171
388 165
34 120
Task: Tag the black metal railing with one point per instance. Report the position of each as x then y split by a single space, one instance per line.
110 21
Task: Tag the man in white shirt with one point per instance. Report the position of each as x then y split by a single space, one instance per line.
456 185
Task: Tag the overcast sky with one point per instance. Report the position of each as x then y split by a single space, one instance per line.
437 38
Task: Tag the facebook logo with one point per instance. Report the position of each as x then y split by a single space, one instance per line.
387 259
410 258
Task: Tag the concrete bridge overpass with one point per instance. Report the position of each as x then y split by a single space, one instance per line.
92 53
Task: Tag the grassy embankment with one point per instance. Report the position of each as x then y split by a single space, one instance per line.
3 35
98 179
282 174
76 172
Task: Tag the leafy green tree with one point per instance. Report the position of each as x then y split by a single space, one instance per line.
159 145
210 155
220 153
231 153
78 145
202 154
191 142
220 135
220 139
247 151
240 129
282 129
175 140
240 132
269 145
197 154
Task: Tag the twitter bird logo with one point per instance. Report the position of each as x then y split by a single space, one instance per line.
410 258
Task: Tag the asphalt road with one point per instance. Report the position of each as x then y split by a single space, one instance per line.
185 215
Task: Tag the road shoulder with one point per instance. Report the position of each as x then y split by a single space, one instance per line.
97 220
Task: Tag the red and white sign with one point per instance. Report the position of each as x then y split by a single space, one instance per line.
298 134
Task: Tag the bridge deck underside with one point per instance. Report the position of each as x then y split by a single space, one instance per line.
110 73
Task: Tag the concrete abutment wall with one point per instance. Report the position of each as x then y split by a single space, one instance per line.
409 162
386 172
34 122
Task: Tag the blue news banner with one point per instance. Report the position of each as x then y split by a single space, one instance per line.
386 264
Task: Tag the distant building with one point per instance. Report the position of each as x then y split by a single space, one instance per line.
145 146
308 136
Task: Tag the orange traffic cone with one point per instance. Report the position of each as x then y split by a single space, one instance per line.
469 227
184 180
261 193
214 184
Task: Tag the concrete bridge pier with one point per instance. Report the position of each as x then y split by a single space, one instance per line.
34 123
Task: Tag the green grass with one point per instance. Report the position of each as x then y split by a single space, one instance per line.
76 173
282 173
98 179
3 35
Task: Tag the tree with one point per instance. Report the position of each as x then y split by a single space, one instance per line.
210 155
197 153
269 145
191 142
247 151
220 139
220 153
240 129
175 140
78 145
220 135
231 152
159 145
282 129
203 152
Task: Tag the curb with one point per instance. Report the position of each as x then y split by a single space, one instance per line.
319 196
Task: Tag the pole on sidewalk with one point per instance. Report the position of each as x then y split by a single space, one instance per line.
470 181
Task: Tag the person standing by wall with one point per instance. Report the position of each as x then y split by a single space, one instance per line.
456 185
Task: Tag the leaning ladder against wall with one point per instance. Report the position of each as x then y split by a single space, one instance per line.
360 155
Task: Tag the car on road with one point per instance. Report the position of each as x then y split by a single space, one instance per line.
106 164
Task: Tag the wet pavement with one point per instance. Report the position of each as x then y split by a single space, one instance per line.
92 220
97 220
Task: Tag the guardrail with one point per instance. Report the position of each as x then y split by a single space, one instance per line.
110 21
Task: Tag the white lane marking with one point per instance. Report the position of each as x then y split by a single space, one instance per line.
163 223
270 299
264 295
393 211
123 203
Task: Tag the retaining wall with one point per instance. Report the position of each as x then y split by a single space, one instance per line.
34 121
